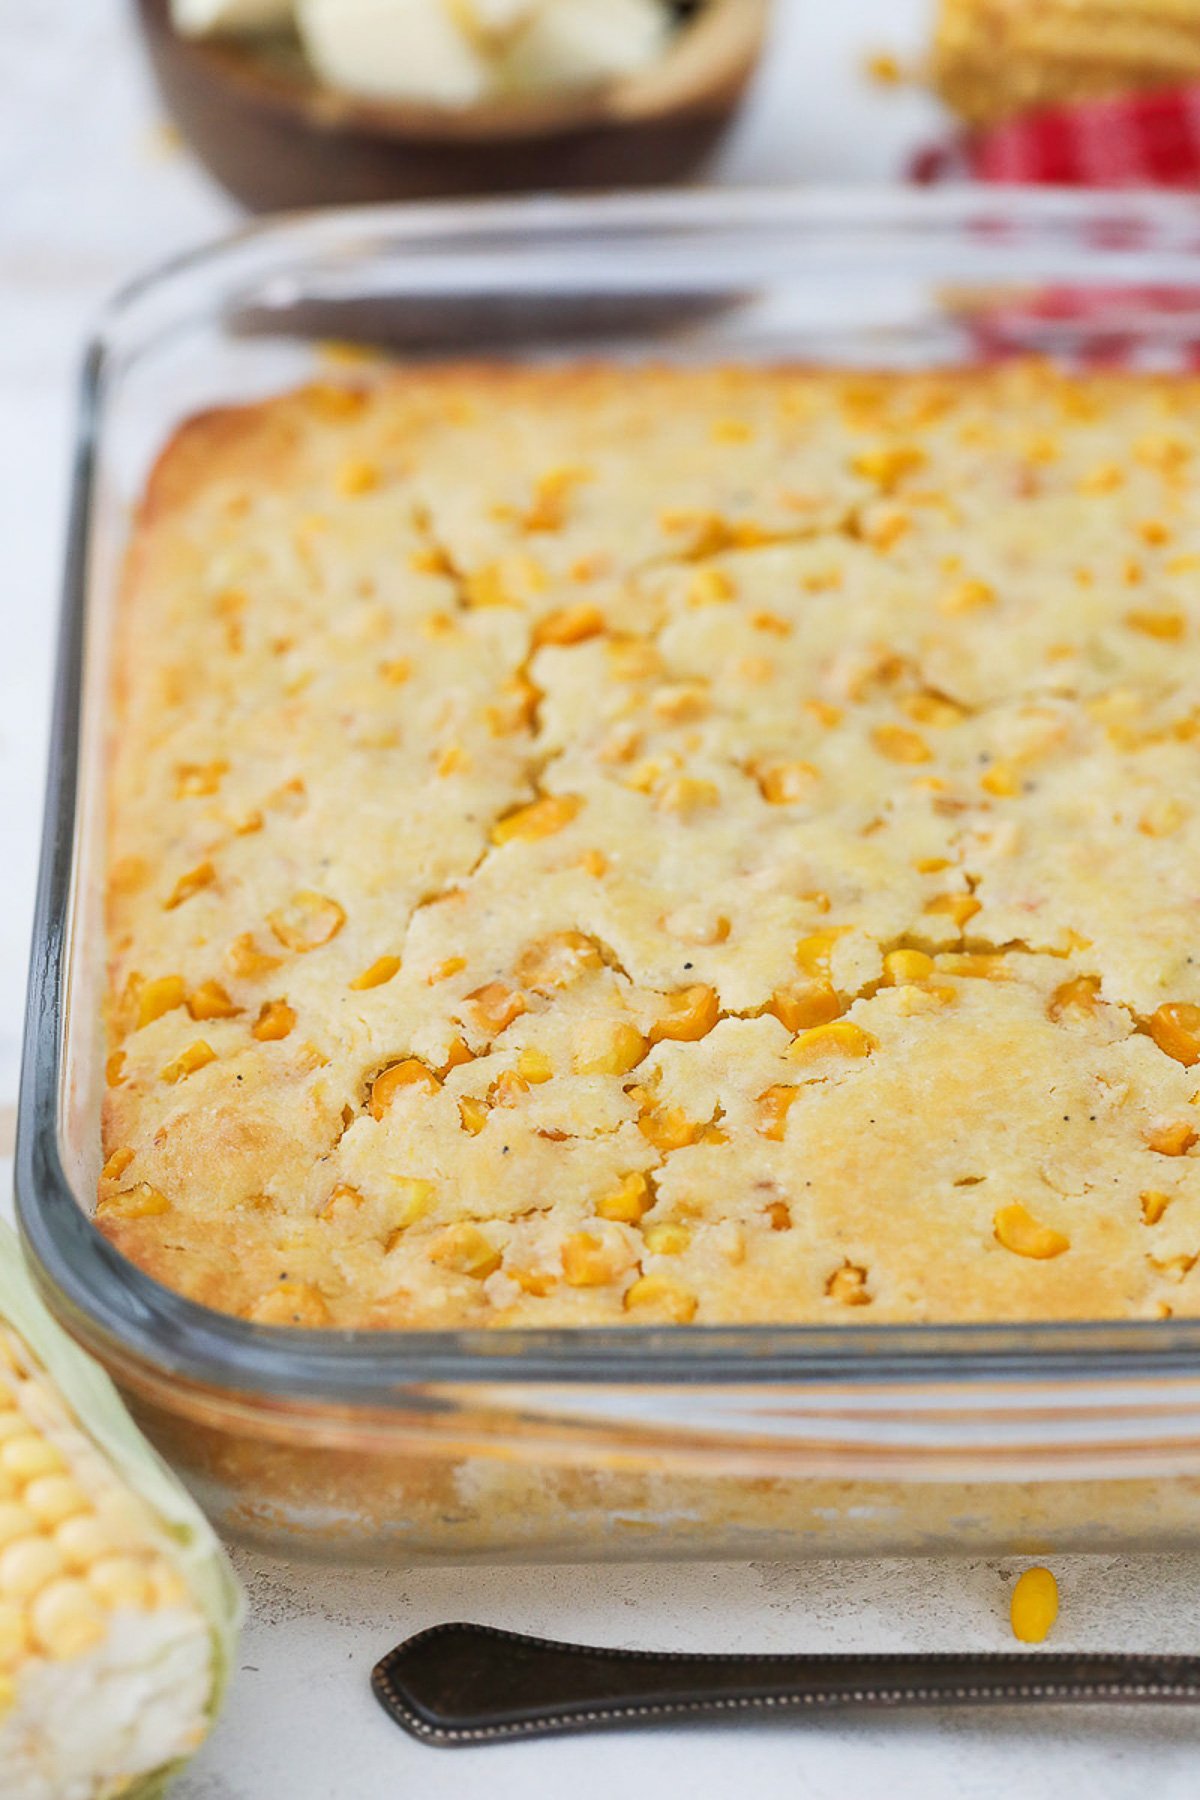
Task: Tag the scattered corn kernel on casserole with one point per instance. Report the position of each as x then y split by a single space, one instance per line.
619 844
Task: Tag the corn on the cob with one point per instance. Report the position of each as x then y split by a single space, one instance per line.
117 1608
995 58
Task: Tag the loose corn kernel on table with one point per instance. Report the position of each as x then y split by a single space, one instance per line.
95 203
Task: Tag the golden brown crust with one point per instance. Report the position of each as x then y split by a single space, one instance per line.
594 844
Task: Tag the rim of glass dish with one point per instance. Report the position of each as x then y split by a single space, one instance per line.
117 1308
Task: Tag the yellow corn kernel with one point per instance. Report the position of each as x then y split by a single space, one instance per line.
710 587
813 953
538 1282
26 1566
659 1295
552 491
1171 1137
114 1068
52 1499
825 715
925 998
693 925
113 1169
196 1056
540 819
307 921
680 705
140 1202
687 796
798 1008
556 961
1001 780
202 876
900 745
1079 995
667 1239
1105 478
247 960
508 1088
464 1250
959 907
409 1200
344 1201
841 1038
380 971
534 1066
888 464
65 1622
982 965
158 997
588 1261
786 784
457 1053
1167 627
569 625
1154 1205
902 967
453 965
773 1107
210 1001
1034 1606
274 1022
848 1285
691 1014
1163 818
627 1204
668 1128
120 1580
472 1115
594 863
1020 1232
452 761
396 671
966 597
358 476
495 1006
408 1073
929 708
193 780
755 669
607 1047
1175 1028
290 1303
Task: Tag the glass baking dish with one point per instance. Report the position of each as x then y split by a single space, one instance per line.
635 1441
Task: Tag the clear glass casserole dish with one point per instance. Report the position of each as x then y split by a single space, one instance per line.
637 1441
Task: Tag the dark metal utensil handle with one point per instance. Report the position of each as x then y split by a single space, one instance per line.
470 1684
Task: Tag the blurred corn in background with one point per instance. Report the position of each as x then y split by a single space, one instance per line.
118 1611
994 59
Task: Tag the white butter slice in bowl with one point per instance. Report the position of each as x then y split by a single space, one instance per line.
394 50
212 18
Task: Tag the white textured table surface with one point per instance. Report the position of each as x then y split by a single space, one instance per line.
88 194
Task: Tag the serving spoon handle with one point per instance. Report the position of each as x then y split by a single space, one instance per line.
461 1684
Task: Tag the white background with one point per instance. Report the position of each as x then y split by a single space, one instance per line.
90 192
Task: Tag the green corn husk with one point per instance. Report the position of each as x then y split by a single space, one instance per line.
119 1611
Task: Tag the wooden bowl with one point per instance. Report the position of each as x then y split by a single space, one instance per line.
277 138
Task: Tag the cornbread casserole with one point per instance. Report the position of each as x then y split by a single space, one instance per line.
609 844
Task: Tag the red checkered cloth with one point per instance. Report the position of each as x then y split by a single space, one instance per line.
1128 140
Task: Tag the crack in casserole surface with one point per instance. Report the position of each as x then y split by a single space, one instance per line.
609 844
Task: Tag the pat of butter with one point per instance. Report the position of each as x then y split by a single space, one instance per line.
575 43
394 50
204 18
